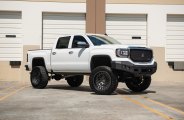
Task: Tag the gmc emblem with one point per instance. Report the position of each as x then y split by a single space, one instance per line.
142 55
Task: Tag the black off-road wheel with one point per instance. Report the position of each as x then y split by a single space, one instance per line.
103 81
138 84
39 77
75 81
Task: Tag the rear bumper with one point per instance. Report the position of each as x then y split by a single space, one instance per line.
135 69
27 68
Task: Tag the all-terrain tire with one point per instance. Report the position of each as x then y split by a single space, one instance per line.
39 77
139 84
75 81
103 81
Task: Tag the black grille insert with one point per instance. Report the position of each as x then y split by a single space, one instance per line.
141 55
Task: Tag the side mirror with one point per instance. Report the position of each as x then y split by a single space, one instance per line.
82 44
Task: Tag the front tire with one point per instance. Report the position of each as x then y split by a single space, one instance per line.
103 81
39 77
139 84
75 81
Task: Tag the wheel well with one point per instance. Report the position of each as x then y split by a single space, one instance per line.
100 60
38 62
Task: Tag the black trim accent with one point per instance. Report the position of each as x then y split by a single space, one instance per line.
11 36
27 68
41 62
135 69
98 56
141 54
15 63
136 37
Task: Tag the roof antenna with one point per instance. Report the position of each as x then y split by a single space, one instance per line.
106 34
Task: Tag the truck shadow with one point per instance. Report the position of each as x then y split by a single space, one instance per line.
125 91
84 88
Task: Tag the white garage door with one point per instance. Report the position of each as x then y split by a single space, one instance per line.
128 29
175 38
10 36
56 25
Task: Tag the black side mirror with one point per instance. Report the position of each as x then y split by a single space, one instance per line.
82 45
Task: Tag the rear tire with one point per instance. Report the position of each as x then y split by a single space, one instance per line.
139 84
39 77
103 81
75 81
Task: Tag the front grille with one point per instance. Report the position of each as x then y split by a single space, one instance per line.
141 54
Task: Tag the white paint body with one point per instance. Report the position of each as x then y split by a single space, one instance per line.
78 62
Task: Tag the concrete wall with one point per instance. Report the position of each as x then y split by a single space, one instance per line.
173 2
165 2
63 1
95 16
7 73
164 72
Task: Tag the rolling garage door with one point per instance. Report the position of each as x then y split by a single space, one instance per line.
128 29
56 25
175 38
10 36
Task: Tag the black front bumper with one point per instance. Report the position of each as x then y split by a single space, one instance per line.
135 69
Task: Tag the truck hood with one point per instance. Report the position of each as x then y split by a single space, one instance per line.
114 46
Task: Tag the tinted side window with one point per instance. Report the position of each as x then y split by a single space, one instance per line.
63 42
78 39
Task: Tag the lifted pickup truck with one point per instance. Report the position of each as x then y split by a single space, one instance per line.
104 59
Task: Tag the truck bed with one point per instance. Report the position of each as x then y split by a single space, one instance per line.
45 54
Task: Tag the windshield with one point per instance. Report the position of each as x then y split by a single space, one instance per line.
102 39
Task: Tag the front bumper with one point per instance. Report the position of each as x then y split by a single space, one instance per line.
135 69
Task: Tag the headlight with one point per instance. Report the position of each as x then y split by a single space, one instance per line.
122 52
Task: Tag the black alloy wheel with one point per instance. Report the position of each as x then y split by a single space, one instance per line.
103 81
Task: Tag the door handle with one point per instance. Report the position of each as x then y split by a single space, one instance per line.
71 52
53 53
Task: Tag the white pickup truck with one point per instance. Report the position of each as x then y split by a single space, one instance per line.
104 59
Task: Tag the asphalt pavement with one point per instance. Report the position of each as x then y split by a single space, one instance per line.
58 101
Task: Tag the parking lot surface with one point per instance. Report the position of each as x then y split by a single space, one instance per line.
58 101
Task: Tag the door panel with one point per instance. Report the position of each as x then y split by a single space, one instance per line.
60 61
67 59
78 59
70 60
59 55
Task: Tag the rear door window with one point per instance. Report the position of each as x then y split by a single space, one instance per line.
63 42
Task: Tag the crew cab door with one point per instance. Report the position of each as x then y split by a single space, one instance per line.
79 55
71 56
59 59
